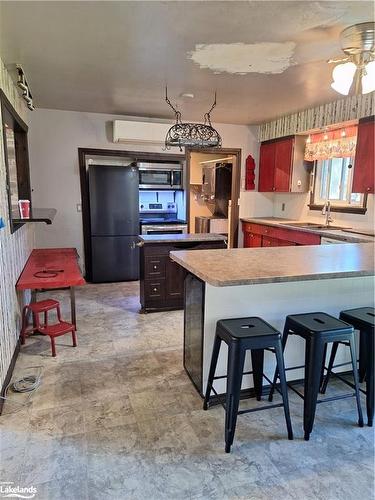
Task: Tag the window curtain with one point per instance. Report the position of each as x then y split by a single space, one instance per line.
339 143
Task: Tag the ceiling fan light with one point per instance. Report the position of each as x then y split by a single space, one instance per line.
368 78
343 75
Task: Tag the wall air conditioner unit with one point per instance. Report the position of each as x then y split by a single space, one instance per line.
139 132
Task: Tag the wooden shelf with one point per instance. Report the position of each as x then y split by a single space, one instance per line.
45 215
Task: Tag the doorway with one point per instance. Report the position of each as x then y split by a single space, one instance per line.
224 210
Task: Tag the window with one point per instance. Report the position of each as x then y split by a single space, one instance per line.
16 159
333 182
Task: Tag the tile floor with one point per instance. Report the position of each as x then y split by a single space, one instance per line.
117 418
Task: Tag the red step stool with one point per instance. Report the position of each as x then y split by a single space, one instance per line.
60 328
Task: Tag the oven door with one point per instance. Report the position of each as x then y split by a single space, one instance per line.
164 229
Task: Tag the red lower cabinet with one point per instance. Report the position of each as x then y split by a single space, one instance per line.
252 240
258 235
269 242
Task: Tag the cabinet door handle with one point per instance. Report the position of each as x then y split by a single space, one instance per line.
154 289
155 267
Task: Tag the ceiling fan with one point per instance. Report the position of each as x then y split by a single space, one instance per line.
356 71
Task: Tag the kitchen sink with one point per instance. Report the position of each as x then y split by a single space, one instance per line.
303 224
313 225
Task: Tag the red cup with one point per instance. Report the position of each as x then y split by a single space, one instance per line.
24 207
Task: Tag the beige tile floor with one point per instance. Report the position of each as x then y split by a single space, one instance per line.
117 418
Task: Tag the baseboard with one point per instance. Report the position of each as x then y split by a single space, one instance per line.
9 374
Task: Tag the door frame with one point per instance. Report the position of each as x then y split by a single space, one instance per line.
85 200
236 185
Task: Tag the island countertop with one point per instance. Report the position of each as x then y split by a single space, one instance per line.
245 266
181 238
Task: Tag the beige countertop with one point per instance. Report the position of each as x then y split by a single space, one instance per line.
245 266
181 238
338 234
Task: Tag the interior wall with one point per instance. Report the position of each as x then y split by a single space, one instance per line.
255 204
55 137
14 248
296 207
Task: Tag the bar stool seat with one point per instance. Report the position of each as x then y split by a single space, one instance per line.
242 334
318 329
362 319
309 324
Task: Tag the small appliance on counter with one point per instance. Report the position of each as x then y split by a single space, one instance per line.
160 218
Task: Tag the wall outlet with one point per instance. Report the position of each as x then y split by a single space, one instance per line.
283 207
79 207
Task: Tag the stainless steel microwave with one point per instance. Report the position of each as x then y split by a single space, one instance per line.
160 176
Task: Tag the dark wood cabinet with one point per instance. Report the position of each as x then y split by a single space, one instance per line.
363 176
175 276
161 279
261 235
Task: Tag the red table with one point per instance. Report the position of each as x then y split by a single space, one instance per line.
64 272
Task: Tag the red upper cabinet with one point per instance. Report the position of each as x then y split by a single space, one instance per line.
266 167
363 176
281 167
283 164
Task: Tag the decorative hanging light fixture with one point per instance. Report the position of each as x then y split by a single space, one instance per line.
198 135
24 86
358 43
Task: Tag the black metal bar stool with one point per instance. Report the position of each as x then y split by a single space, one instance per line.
362 319
242 334
318 329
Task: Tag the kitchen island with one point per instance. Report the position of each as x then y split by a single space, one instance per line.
270 283
161 279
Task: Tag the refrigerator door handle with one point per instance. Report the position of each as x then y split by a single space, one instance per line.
133 244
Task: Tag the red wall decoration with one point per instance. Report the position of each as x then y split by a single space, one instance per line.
250 173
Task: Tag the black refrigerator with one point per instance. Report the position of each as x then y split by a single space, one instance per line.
114 221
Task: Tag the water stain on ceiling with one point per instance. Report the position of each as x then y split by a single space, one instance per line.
244 58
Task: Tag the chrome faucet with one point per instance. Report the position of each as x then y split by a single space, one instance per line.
327 212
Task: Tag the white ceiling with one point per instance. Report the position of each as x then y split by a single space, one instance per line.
264 58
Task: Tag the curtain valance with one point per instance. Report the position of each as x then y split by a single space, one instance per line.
339 143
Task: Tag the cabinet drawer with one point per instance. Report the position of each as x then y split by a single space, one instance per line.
161 250
252 240
155 289
299 237
202 245
269 242
257 228
155 267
